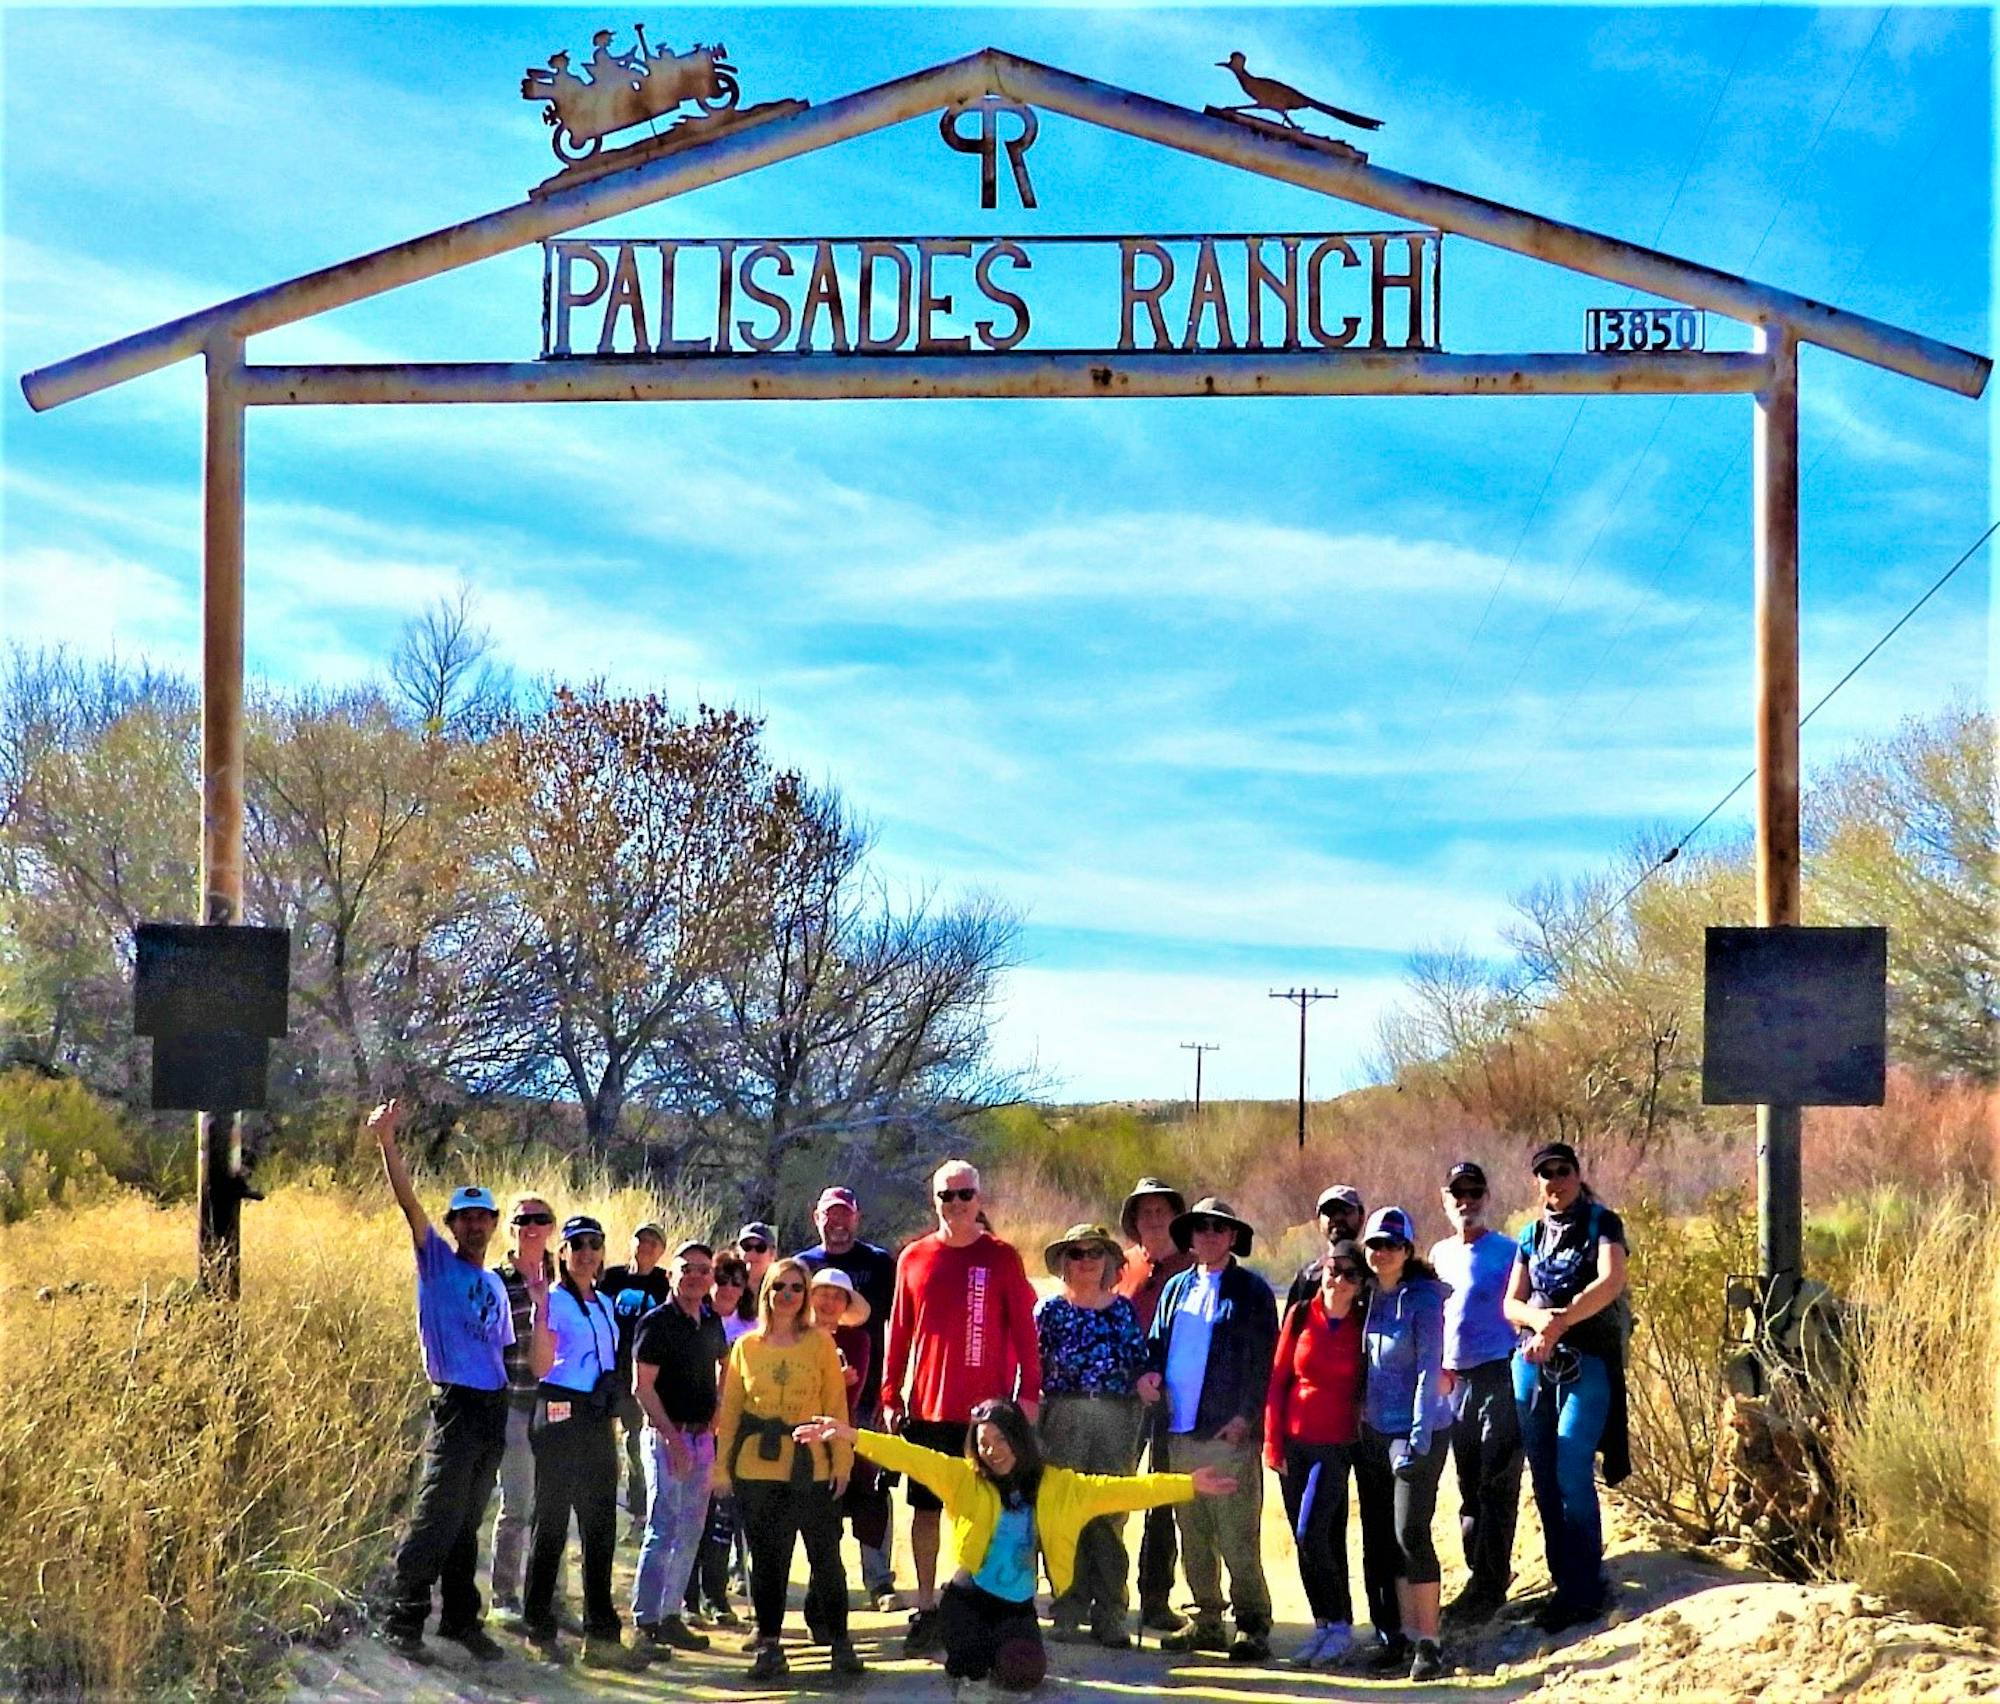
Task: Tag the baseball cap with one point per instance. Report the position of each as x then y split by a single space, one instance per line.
1390 1222
1344 1193
1554 1151
1466 1171
758 1231
694 1246
836 1197
581 1225
651 1228
471 1195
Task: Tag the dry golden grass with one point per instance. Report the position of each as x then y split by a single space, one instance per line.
1919 1439
185 1486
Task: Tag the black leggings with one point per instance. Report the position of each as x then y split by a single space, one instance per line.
775 1515
576 1469
1315 1486
1414 1495
974 1624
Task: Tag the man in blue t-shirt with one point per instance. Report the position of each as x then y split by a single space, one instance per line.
1478 1263
465 1324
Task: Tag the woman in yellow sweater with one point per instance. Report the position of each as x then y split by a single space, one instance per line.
1002 1504
781 1372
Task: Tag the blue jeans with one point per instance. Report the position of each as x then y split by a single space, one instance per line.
676 1517
1561 1423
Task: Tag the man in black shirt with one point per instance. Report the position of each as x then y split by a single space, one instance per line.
873 1269
633 1290
1340 1215
676 1351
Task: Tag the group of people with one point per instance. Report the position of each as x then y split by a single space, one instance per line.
769 1400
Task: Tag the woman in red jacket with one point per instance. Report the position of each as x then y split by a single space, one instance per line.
1312 1425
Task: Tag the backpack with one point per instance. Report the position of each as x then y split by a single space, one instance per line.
1620 1311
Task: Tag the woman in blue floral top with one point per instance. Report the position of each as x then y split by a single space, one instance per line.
1093 1351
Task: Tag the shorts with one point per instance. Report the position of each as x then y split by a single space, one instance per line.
947 1437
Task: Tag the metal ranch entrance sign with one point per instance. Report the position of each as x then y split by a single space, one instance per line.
674 319
958 295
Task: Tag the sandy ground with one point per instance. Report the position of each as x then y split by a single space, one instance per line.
1684 1628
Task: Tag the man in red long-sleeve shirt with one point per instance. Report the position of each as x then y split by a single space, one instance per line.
962 1331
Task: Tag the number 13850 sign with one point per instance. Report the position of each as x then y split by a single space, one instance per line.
1641 331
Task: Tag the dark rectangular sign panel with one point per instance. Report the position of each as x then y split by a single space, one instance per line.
200 977
1795 1017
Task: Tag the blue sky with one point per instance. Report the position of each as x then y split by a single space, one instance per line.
1223 696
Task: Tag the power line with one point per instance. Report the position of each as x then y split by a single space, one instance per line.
1679 846
1302 998
1198 1048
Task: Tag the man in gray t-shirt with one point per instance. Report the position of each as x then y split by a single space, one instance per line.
465 1324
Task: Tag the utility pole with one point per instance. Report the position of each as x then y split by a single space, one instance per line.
1198 1048
1302 998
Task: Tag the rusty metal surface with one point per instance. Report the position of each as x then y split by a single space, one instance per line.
1281 100
688 133
993 72
987 142
737 378
623 89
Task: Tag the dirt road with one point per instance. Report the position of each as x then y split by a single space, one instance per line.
1683 1629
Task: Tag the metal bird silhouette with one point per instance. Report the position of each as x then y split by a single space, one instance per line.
1284 100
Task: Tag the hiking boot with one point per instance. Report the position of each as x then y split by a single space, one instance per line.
1064 1631
477 1640
407 1645
846 1659
1248 1647
653 1640
1196 1636
543 1644
1389 1656
724 1615
609 1651
1112 1635
887 1602
924 1636
769 1662
1473 1607
672 1630
1559 1617
1428 1663
1159 1618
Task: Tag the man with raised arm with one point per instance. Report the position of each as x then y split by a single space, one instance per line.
466 1326
962 1332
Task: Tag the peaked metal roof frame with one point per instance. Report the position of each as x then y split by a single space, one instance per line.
992 71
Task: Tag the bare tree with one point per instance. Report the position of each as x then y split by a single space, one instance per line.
444 671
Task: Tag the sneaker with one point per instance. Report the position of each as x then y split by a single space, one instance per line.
477 1640
543 1644
653 1640
409 1646
505 1603
1308 1652
721 1615
1249 1648
846 1659
1559 1617
749 1644
924 1636
609 1651
769 1662
887 1602
1336 1645
1196 1636
1428 1664
1388 1656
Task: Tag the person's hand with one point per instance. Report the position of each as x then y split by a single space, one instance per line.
891 1415
1276 1463
384 1121
1403 1458
839 1486
680 1459
1537 1350
1540 1320
1147 1387
1213 1482
852 1376
1233 1432
822 1429
537 1285
1448 1383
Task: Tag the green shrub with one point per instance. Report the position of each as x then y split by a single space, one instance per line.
58 1143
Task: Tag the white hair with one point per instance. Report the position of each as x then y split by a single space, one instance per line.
951 1168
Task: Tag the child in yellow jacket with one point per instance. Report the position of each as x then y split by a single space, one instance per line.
1002 1505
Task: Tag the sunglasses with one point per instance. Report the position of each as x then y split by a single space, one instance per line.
534 1218
587 1242
1080 1251
1340 1210
958 1194
1550 1173
1381 1245
1202 1227
1470 1192
788 1287
755 1247
1344 1275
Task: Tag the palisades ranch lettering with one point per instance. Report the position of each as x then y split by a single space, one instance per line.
657 296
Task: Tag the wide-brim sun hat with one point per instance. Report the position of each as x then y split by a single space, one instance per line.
1052 1256
832 1278
1214 1207
1128 1215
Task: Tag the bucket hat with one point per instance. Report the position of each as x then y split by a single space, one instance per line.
1129 1213
832 1278
1052 1256
1213 1207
